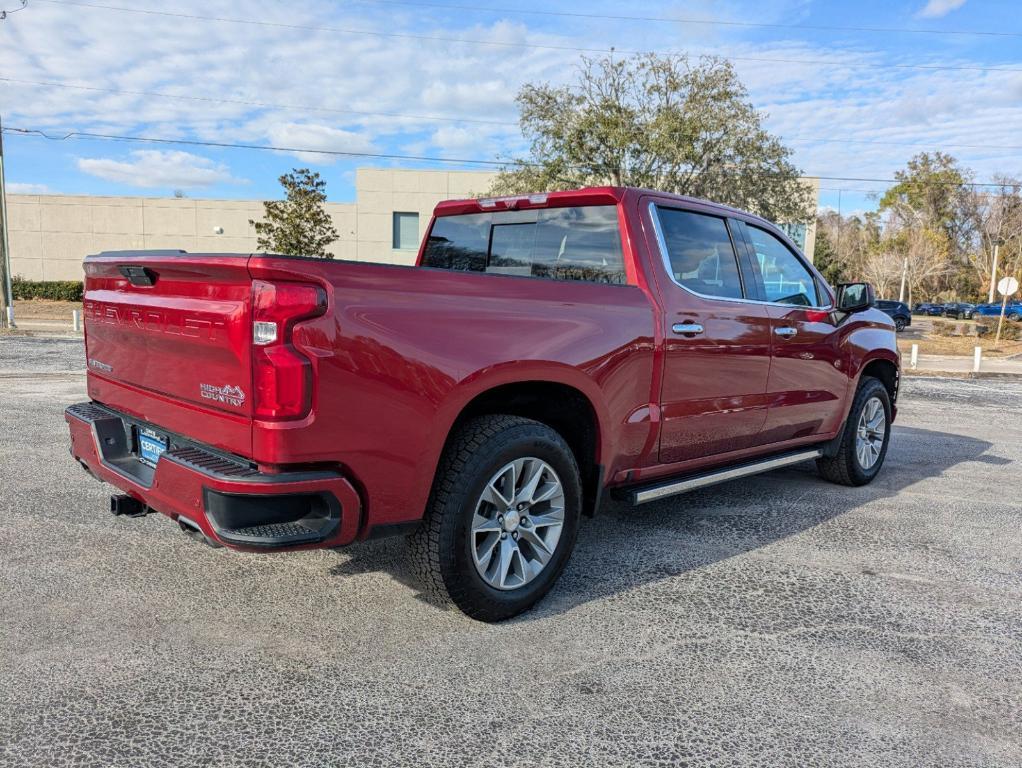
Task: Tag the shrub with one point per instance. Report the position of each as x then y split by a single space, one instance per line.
57 290
1009 331
943 328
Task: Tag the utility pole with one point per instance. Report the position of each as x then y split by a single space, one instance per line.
904 274
6 296
993 272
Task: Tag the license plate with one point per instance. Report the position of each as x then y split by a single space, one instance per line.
150 446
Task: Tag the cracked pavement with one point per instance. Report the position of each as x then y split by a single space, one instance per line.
774 621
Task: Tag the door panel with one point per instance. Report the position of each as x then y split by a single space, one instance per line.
714 391
808 378
717 362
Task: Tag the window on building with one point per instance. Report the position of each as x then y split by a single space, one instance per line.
406 231
581 243
785 278
700 251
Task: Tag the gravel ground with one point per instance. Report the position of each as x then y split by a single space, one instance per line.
774 621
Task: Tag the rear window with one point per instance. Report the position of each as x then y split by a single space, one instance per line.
557 243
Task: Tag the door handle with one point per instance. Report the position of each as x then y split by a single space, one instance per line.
786 332
687 329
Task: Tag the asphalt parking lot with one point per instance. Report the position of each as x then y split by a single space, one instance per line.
775 621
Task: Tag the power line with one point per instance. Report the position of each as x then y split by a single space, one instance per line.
262 147
684 20
4 13
509 44
395 156
243 102
440 118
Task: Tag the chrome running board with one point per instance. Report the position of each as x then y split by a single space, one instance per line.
644 493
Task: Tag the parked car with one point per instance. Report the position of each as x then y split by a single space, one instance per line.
1012 311
931 310
959 310
898 311
546 350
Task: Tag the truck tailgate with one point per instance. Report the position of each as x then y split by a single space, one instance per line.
168 339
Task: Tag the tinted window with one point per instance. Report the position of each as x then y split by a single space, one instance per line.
785 279
700 252
459 242
559 243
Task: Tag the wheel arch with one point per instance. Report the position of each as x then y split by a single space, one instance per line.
560 397
887 371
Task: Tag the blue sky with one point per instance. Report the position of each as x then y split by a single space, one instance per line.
850 103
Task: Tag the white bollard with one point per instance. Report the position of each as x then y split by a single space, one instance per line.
76 320
976 359
10 317
915 355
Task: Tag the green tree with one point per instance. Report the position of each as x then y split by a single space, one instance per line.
661 122
826 258
931 223
297 225
934 191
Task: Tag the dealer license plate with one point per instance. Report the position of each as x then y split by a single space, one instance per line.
150 446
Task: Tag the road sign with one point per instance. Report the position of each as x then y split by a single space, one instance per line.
1007 286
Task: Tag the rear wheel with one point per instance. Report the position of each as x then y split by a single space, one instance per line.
502 518
1015 316
865 438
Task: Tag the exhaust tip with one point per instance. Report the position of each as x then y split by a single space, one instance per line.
192 531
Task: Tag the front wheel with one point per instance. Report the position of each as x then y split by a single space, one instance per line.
899 324
502 518
1014 316
864 441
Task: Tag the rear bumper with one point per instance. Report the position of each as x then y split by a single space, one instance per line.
230 501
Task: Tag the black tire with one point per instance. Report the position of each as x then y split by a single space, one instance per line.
1013 316
899 324
440 549
844 467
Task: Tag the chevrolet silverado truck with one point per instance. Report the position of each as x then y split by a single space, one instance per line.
544 351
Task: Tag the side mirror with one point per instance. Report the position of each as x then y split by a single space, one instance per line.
855 297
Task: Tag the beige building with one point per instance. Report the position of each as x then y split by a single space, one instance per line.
51 234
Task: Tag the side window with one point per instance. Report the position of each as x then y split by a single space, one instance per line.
560 243
785 278
700 252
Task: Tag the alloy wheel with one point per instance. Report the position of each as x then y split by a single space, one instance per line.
870 433
517 522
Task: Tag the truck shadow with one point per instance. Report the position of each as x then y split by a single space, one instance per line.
623 548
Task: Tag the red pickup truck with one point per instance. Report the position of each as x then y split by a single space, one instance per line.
544 350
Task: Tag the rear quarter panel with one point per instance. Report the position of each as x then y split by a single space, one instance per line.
402 350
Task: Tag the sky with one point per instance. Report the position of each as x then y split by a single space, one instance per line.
437 79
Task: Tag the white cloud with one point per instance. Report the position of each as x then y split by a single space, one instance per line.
321 137
158 168
936 8
19 188
341 77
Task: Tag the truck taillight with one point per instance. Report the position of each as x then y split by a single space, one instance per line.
281 375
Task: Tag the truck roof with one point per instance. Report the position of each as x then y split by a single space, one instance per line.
562 198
